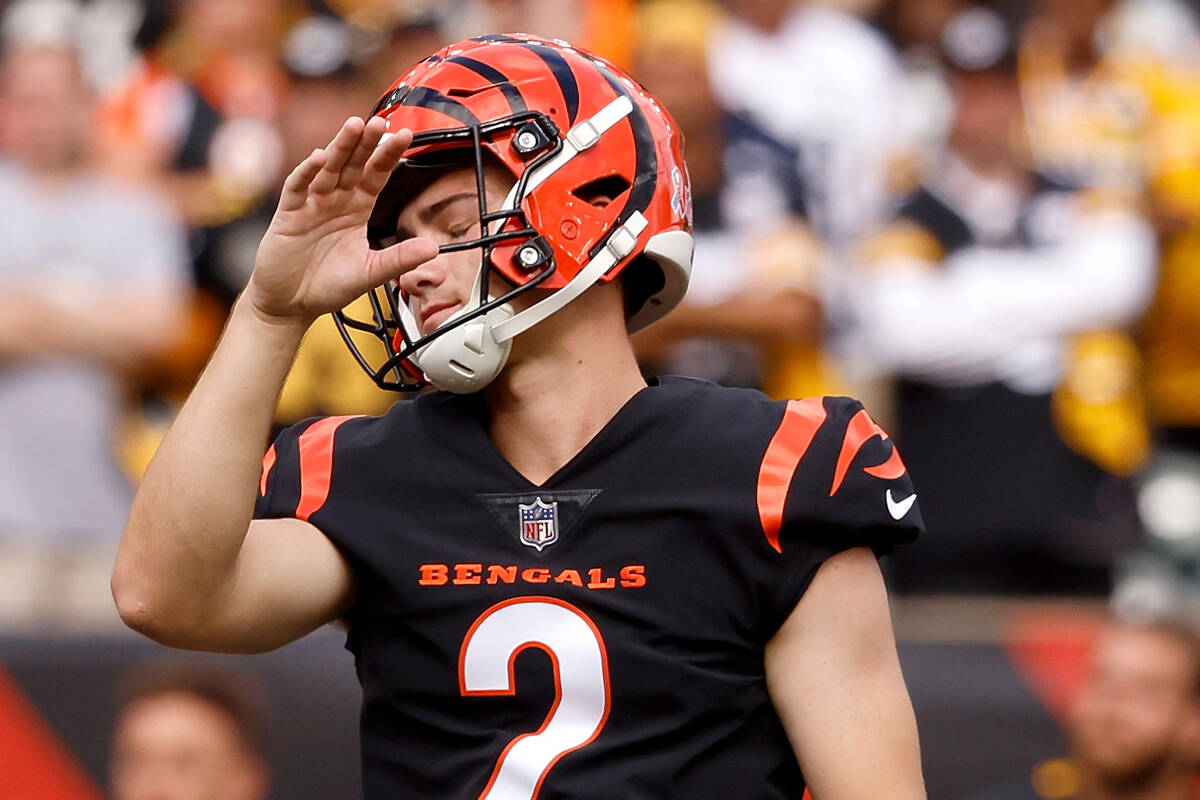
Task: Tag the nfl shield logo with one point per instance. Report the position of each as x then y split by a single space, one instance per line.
539 523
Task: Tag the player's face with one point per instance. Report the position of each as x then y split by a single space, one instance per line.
179 747
447 211
1137 714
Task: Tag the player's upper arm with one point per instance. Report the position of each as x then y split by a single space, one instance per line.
834 677
290 579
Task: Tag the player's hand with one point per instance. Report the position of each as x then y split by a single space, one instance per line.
314 257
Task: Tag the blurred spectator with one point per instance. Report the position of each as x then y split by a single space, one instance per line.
750 318
326 86
92 274
1134 725
407 34
323 380
1173 326
187 733
194 114
822 82
1114 92
990 298
196 118
558 19
193 118
1087 69
604 27
924 107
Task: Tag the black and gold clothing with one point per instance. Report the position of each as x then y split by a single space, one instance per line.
986 301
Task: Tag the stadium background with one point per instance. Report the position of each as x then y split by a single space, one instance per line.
810 125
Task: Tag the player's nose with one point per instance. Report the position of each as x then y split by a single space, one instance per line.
425 276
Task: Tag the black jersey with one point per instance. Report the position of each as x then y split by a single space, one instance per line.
600 635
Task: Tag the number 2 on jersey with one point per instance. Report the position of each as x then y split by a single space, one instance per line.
581 703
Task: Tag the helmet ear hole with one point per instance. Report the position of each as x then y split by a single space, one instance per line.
640 281
602 191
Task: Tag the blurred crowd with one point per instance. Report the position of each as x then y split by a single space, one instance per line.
981 218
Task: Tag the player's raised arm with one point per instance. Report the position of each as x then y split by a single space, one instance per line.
835 681
192 570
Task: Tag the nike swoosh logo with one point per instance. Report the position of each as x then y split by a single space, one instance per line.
898 510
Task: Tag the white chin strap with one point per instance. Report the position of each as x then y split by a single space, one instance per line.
468 358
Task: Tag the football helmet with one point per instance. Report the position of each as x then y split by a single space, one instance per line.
570 127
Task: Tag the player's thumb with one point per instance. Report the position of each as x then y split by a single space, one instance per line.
392 262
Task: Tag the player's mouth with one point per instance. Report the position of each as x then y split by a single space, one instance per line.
435 314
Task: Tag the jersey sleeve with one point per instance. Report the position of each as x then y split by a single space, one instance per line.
297 470
831 479
279 485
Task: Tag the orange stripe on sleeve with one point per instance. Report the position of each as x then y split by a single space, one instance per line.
316 464
860 429
892 468
267 464
801 421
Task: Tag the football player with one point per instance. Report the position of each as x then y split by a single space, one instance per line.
558 581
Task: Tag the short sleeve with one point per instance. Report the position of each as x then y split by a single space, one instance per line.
298 470
279 486
849 488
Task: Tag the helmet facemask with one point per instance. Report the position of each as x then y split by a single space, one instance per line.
461 355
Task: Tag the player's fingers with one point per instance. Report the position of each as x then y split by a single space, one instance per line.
385 158
352 171
394 261
295 187
339 150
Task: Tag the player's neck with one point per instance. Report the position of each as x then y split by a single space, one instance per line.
567 378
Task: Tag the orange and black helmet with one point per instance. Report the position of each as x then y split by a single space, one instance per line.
570 126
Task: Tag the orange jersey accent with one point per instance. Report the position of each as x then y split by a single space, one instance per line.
630 576
861 429
800 424
268 463
316 465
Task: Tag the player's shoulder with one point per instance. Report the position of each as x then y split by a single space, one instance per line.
320 459
352 434
843 472
821 469
718 416
713 414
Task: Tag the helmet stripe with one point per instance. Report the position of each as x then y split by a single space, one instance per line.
645 178
515 101
424 97
554 60
390 99
562 73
